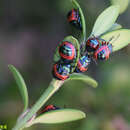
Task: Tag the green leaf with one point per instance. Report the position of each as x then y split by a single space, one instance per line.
77 6
105 20
59 116
75 42
21 84
114 27
120 38
122 3
90 81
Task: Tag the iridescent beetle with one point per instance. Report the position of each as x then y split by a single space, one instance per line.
92 44
82 64
61 71
49 108
67 51
103 52
73 18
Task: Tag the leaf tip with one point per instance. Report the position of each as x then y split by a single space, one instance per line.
95 85
10 66
84 115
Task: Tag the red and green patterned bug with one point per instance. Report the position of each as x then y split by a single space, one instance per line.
49 108
103 52
83 64
67 51
73 18
61 71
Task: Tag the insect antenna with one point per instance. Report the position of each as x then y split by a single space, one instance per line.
113 38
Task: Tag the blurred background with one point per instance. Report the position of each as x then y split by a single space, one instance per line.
30 30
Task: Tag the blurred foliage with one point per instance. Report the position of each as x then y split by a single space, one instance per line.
30 31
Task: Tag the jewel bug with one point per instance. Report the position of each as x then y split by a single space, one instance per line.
82 64
49 108
61 71
67 51
92 44
74 18
103 52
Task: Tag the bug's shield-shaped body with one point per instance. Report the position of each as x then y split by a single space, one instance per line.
82 64
74 18
61 71
103 52
67 51
92 44
49 108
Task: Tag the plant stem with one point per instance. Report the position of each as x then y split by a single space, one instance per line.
53 87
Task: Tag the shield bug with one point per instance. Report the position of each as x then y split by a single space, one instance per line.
67 51
103 52
49 108
82 64
92 44
61 71
74 18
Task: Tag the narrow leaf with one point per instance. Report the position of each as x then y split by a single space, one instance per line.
121 38
60 116
75 3
122 3
105 20
21 85
90 81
